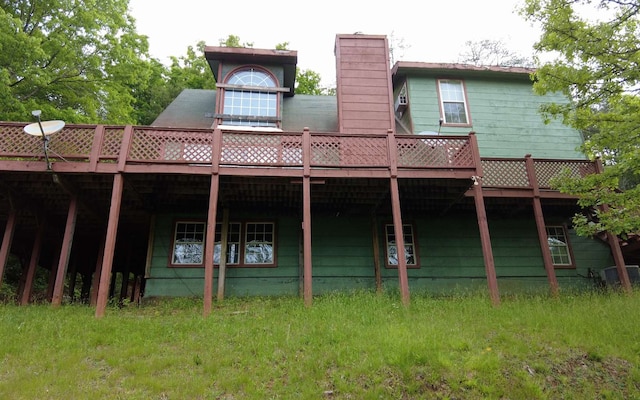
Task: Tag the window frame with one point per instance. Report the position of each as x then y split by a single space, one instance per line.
247 121
242 244
569 249
414 236
172 252
465 103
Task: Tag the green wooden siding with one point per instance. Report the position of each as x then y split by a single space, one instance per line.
449 249
505 117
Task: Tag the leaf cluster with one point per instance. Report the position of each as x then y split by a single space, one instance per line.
597 68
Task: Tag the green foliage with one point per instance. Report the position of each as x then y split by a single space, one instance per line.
308 82
360 346
596 69
234 41
72 59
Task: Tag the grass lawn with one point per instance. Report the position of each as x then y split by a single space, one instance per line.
356 346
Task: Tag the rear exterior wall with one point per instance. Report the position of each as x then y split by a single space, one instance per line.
504 114
449 257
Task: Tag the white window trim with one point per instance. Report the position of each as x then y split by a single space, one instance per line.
464 103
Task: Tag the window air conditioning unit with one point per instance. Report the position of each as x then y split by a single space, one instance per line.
609 275
402 100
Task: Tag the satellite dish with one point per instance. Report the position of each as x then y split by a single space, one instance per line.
45 128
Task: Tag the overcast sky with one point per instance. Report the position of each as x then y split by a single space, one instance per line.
432 31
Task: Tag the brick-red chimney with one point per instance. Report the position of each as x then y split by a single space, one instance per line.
363 84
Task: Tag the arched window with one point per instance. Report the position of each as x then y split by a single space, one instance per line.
250 99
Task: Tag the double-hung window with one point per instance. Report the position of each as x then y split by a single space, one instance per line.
409 245
248 244
559 246
453 102
250 99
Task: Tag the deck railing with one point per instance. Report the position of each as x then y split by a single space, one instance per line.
512 172
100 144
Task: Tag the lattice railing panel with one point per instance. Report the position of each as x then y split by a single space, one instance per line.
15 143
434 152
345 151
505 173
261 149
325 151
111 142
181 146
72 142
546 170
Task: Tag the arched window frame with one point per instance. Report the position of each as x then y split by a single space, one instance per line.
255 105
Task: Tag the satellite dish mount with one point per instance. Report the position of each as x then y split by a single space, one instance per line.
44 129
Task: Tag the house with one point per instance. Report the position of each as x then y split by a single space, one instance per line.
252 190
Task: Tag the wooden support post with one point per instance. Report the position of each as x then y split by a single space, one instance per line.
210 237
621 266
614 244
7 239
109 245
65 252
209 245
33 265
306 217
398 228
483 225
398 231
376 254
223 253
541 227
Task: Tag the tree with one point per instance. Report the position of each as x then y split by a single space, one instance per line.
492 52
234 41
72 59
597 68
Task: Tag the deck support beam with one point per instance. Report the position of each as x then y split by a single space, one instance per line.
614 244
483 225
109 245
306 218
210 236
65 252
396 211
541 226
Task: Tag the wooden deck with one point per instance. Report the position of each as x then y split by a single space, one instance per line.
108 181
132 149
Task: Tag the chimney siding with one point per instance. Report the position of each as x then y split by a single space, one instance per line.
364 90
